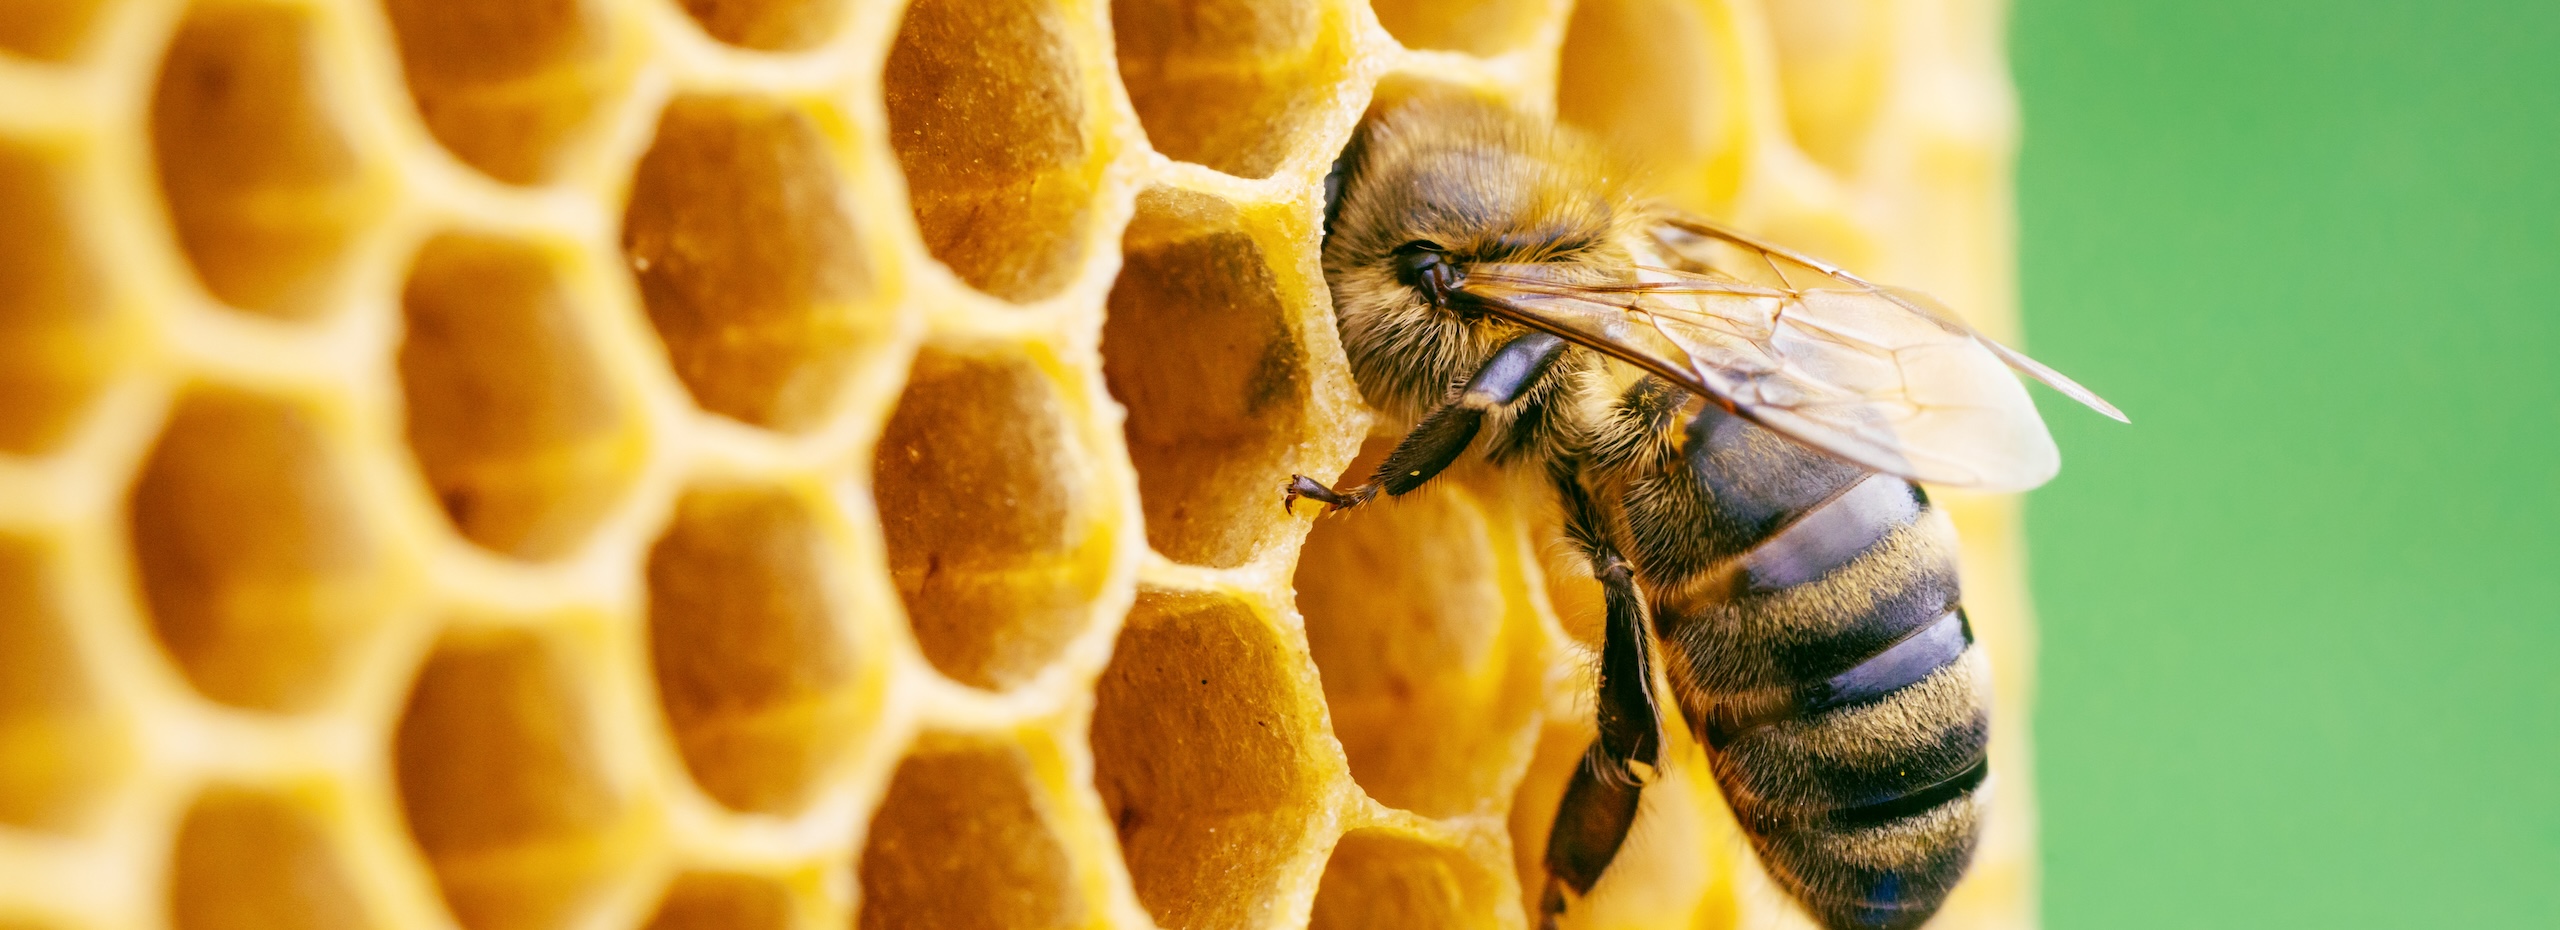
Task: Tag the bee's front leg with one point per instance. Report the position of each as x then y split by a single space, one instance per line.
1445 432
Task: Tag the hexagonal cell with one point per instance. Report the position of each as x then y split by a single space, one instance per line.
247 860
747 637
1198 346
56 748
53 348
52 30
1477 27
994 545
768 25
505 85
520 435
257 563
499 779
1642 75
1379 879
720 901
987 114
748 260
1832 58
1427 644
1232 84
961 841
263 189
1207 758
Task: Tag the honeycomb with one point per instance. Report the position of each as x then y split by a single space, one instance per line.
793 463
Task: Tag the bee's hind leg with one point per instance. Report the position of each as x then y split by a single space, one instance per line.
1600 802
1444 433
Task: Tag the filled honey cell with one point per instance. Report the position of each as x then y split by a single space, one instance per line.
1378 879
1206 761
961 843
987 112
1197 345
747 258
53 343
747 637
259 568
262 187
1832 60
521 437
1232 84
47 29
246 860
498 776
506 85
768 25
1644 76
1427 646
993 545
56 751
1477 27
719 901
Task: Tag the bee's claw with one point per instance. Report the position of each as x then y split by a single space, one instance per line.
1303 486
1311 489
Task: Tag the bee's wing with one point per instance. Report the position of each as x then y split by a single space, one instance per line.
1691 239
1845 367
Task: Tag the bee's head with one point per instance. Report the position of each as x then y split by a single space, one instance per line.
1442 182
1431 188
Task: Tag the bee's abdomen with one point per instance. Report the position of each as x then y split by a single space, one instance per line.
1867 811
1820 652
1856 775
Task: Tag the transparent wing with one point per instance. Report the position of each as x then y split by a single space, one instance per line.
1692 240
1880 377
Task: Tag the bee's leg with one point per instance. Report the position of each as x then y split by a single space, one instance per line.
1445 432
1600 802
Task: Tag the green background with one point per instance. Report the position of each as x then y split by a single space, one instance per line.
2300 621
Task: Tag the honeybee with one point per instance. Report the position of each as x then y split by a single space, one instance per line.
1733 432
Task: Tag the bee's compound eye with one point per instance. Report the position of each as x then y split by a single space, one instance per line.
1425 267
